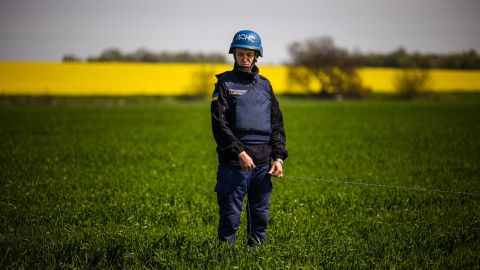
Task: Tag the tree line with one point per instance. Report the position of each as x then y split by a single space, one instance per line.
399 58
148 56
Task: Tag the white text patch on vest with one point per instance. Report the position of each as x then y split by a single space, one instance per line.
236 92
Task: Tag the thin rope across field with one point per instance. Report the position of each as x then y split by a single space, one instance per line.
380 185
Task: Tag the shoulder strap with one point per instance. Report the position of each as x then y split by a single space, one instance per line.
226 76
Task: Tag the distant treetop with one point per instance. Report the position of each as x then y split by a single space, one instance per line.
144 55
322 52
401 58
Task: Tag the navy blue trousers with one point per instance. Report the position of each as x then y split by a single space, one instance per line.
232 185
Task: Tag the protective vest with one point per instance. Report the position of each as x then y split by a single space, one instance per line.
252 108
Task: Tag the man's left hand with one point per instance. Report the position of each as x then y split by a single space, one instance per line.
276 170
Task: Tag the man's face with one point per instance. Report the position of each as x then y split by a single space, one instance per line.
244 57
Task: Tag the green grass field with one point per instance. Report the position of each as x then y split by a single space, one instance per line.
131 186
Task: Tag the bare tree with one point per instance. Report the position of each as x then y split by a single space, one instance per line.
318 61
411 82
203 81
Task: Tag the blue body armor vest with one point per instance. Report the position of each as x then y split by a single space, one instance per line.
252 108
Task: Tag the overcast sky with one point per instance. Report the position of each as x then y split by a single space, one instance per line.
47 29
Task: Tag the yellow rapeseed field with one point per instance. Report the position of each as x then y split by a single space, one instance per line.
44 78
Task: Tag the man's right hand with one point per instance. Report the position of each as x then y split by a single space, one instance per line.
246 162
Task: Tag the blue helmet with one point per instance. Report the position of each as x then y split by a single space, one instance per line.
247 39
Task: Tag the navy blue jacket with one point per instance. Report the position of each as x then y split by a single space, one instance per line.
261 142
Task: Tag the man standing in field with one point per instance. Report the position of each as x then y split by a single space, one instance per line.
248 128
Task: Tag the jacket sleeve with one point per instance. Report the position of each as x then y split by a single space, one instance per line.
278 138
221 125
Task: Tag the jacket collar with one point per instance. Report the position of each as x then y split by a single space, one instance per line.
247 76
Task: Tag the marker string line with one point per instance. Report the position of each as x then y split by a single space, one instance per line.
377 185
